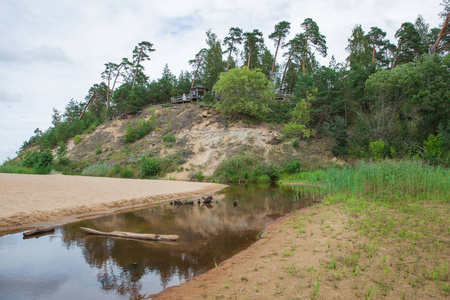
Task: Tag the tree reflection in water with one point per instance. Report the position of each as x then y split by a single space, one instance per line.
134 269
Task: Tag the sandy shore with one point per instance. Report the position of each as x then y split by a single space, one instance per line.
38 200
321 253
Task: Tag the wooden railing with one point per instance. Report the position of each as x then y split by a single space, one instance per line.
283 96
190 98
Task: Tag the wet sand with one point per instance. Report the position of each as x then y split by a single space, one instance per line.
40 200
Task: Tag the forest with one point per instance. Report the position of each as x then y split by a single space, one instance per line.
388 99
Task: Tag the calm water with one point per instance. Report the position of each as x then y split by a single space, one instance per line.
70 264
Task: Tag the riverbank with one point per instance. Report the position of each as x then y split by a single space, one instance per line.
344 248
42 200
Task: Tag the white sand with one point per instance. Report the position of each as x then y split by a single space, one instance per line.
38 200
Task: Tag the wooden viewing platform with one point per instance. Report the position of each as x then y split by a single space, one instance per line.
196 97
284 96
197 92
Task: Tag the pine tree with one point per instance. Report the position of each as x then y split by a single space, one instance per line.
409 44
213 63
311 38
140 54
234 37
280 33
252 46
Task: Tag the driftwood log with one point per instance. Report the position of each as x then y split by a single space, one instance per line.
38 231
130 235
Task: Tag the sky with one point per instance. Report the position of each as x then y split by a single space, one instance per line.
52 51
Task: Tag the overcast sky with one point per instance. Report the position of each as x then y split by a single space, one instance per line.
54 50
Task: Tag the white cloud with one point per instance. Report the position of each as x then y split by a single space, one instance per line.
40 54
47 54
8 97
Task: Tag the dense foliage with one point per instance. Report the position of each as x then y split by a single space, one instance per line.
244 93
386 100
138 130
246 168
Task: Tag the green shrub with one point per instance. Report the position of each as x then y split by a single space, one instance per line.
168 138
138 130
64 161
62 149
434 149
263 178
42 170
208 97
126 173
30 158
292 167
92 127
45 159
130 135
76 139
40 161
100 170
245 167
236 168
150 167
99 149
199 176
376 148
117 168
271 171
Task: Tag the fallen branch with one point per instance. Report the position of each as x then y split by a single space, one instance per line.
38 231
130 235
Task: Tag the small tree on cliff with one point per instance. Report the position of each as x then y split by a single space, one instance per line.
245 93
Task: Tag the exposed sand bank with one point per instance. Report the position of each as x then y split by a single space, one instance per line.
37 200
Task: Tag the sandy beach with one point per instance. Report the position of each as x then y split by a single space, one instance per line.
40 200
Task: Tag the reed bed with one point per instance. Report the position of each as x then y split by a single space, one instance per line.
386 180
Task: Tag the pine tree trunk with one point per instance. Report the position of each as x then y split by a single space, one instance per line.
285 70
304 57
229 57
434 48
373 54
89 102
196 70
108 99
394 62
108 95
135 73
275 58
249 55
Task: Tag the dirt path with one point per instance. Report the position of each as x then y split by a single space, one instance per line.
30 200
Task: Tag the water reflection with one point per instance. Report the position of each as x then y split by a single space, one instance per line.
208 235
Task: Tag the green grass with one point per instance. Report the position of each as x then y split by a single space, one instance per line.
390 180
17 169
100 170
138 130
386 180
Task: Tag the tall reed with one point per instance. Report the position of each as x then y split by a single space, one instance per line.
389 180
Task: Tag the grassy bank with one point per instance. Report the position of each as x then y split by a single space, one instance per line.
388 180
399 212
382 231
